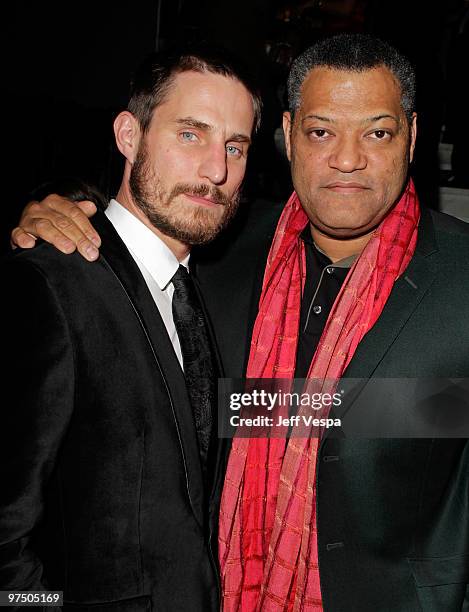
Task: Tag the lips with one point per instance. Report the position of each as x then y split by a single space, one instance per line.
346 187
201 200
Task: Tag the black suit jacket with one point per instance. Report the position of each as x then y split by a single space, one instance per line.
101 486
393 515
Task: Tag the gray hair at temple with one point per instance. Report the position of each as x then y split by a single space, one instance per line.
356 53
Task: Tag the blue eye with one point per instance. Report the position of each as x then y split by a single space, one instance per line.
233 151
188 136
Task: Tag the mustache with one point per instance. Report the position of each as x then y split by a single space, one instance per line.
201 191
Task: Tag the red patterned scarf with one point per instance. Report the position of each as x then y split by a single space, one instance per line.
267 536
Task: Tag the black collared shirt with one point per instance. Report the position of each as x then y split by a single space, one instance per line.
322 285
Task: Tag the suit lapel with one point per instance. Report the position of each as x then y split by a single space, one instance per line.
408 292
122 265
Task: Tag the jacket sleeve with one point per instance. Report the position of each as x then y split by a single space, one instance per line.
38 387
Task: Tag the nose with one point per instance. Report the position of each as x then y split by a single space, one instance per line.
214 164
347 155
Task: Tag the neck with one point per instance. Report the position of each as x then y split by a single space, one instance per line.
125 199
339 248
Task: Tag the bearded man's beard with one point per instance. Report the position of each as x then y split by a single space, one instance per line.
189 224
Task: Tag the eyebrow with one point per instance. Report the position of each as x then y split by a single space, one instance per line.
367 120
239 138
378 117
326 119
201 125
195 123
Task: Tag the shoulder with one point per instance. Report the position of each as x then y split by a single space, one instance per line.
452 237
443 252
447 224
52 263
32 306
44 269
43 260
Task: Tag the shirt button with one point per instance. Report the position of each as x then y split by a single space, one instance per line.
317 309
330 270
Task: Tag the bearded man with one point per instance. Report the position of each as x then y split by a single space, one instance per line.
107 469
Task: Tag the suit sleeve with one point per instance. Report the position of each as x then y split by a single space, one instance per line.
38 388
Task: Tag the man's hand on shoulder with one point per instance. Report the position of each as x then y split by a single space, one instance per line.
63 223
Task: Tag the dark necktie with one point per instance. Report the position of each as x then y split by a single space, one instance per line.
197 356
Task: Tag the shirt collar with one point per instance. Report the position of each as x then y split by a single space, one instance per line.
144 244
307 238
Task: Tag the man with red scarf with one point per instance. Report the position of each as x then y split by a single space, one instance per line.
362 282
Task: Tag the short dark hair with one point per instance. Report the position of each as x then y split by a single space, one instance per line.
155 75
356 53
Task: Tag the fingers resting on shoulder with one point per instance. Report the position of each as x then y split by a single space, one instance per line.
63 223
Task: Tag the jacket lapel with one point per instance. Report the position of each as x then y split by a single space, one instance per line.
408 292
406 295
126 271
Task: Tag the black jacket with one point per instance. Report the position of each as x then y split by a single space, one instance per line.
393 514
101 486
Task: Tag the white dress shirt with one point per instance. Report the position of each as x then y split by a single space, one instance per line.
156 261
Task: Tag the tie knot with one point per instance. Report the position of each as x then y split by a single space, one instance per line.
181 278
184 292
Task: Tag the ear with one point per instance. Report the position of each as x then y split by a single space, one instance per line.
413 135
287 124
127 134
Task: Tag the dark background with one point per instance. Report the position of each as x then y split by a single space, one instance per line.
66 70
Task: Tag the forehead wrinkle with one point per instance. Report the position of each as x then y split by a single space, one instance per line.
326 90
